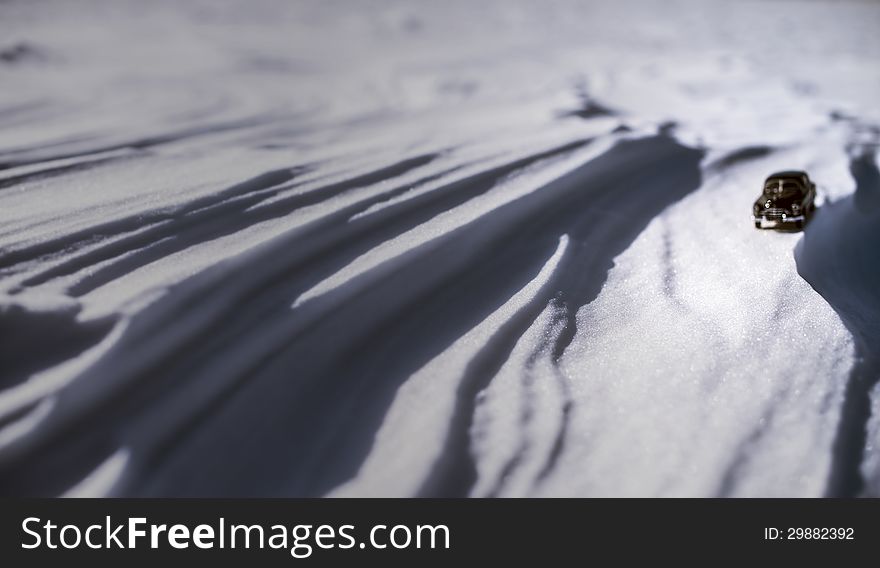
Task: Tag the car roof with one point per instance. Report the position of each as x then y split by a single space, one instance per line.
788 174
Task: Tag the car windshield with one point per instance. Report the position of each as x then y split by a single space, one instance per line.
781 187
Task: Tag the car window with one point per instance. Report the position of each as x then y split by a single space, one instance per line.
782 186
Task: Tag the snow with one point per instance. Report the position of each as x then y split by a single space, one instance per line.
342 248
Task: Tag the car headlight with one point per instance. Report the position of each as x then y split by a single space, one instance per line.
795 208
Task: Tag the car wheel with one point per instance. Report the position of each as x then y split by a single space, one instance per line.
757 224
799 224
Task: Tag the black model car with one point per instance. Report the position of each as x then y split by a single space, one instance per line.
788 199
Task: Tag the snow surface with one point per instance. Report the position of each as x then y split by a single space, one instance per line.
395 248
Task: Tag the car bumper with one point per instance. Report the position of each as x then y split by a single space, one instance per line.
788 219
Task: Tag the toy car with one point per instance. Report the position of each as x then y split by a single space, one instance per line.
788 199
